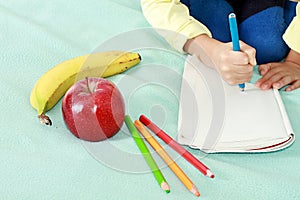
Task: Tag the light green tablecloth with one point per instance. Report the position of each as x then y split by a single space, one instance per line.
39 162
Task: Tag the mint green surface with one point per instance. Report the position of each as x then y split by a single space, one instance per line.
39 162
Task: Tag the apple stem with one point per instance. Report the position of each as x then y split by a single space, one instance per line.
88 85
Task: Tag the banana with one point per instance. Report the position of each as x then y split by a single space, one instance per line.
52 85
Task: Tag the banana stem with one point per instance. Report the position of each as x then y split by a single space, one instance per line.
44 119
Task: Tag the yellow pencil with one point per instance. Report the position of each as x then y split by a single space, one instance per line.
168 160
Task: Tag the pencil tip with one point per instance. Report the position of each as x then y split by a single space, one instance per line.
195 191
210 174
165 187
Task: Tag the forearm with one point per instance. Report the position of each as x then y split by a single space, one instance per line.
173 16
293 57
203 47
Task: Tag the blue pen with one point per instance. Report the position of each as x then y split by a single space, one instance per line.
235 39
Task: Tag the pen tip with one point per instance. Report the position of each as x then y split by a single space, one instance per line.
197 194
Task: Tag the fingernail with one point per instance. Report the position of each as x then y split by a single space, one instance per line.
276 85
255 63
264 86
263 71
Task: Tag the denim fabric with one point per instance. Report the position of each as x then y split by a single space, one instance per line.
262 30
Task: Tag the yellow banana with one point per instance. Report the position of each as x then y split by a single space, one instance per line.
52 85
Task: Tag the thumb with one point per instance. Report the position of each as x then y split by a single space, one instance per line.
263 69
250 51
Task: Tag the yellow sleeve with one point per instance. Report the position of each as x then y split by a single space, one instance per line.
292 33
172 20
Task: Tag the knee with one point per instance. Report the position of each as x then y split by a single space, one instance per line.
264 31
270 49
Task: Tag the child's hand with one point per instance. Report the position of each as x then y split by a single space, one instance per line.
277 75
234 66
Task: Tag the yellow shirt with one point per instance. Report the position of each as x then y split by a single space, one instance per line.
174 16
292 33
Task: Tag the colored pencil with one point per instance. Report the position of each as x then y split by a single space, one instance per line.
167 159
177 147
235 39
149 159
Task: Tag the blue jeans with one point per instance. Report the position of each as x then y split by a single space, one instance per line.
262 30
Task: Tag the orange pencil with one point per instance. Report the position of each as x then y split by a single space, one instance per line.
168 160
177 147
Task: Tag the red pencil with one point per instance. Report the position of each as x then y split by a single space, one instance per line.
177 147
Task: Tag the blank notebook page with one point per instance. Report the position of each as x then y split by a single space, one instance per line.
252 115
216 116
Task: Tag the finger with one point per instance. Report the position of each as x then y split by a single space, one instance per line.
236 78
237 74
238 58
250 51
294 86
278 79
263 69
236 82
265 85
243 69
235 69
262 80
271 71
282 82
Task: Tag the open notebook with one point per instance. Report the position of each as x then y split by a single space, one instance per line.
217 117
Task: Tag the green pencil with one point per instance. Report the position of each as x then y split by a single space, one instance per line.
149 159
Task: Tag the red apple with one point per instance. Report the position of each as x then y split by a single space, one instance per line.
93 109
